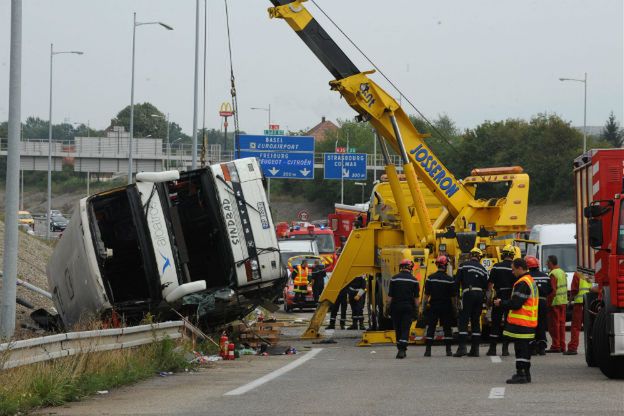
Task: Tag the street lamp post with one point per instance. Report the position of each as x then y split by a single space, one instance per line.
168 129
49 203
363 185
267 109
135 24
170 145
584 81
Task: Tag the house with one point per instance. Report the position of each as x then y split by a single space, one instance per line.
319 132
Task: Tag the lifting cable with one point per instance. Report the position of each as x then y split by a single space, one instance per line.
433 127
232 79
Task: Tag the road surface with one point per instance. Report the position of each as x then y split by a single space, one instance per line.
343 379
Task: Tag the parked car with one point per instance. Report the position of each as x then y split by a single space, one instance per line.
58 223
25 217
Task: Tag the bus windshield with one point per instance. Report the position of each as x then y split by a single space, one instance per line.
566 256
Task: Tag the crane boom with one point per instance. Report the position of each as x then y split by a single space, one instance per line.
374 104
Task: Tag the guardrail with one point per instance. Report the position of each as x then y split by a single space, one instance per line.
30 351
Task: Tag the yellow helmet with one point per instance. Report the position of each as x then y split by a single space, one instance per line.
508 249
476 252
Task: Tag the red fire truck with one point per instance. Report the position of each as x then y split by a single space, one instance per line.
342 220
599 182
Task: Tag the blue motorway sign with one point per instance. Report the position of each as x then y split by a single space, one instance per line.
282 165
281 157
276 143
350 166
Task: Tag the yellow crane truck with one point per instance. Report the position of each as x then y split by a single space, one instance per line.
464 220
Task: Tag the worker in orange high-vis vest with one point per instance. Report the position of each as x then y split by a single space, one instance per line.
580 286
558 303
521 319
300 281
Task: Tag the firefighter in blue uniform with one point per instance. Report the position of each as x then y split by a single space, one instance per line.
356 290
403 296
501 280
439 294
471 278
544 287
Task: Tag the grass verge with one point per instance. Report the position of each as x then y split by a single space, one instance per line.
69 379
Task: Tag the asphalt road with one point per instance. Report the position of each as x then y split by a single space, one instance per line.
343 379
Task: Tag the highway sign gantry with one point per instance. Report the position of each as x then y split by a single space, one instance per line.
281 157
352 165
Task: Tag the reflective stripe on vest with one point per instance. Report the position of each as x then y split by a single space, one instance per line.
526 315
584 287
302 276
561 295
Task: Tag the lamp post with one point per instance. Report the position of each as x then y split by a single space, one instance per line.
170 146
584 81
49 203
363 185
168 128
135 25
267 109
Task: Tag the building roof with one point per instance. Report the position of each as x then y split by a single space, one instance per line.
320 130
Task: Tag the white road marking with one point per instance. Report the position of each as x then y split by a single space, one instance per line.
496 359
274 374
497 393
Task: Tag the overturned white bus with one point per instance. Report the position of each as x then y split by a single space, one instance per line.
201 240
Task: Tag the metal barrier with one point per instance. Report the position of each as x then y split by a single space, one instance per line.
30 351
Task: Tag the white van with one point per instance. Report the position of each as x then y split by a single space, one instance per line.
558 240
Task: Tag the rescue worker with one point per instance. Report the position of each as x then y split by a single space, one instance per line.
341 303
403 294
318 280
558 302
357 300
501 280
521 319
542 281
580 286
300 281
439 294
472 278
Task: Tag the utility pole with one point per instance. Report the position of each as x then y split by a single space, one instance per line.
9 278
195 88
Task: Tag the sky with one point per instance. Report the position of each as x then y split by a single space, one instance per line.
471 60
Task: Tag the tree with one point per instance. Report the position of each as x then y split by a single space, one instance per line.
612 132
144 122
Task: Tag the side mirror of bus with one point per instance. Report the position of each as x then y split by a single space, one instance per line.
595 232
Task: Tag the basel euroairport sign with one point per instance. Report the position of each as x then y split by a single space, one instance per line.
281 157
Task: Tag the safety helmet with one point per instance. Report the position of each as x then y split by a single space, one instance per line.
406 264
476 252
441 261
532 262
509 249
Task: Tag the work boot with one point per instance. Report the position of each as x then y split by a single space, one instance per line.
353 326
518 378
527 374
474 349
461 351
541 350
449 353
492 350
401 354
428 348
362 325
505 352
332 325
